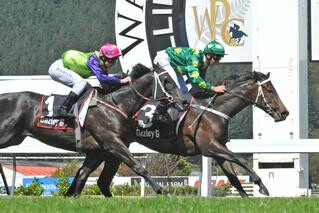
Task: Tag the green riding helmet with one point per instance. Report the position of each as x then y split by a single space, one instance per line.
215 47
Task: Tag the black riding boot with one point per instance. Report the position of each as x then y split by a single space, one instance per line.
67 104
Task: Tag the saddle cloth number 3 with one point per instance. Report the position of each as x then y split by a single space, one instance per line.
149 111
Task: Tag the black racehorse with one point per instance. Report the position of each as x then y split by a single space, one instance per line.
105 130
204 131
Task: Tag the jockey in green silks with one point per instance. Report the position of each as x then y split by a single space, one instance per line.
187 65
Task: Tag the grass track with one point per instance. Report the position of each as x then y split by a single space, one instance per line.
158 204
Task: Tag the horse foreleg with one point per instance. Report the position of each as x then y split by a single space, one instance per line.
91 162
123 154
109 170
217 150
229 171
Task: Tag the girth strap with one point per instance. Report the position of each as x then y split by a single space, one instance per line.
211 110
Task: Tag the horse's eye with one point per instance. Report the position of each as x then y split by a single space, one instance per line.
169 85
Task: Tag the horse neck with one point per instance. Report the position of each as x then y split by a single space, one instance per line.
231 105
128 99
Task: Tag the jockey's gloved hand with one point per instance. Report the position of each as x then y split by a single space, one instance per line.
126 80
218 89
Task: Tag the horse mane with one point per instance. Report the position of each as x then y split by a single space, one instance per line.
139 70
243 77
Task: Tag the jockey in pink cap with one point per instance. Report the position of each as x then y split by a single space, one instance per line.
74 66
109 50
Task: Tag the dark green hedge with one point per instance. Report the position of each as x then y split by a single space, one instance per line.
34 33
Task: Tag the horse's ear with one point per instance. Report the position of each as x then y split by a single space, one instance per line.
268 75
138 70
256 76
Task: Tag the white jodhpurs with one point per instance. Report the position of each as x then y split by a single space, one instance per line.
162 60
67 77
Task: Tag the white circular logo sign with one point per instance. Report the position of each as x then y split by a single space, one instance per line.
145 27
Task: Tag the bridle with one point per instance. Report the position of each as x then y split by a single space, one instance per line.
158 83
260 94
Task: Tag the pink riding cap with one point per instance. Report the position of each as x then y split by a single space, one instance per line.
109 51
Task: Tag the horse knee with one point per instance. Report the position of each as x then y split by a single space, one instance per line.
139 169
83 173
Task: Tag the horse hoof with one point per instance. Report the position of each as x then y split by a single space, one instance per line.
68 194
167 194
71 195
243 195
108 194
160 192
264 191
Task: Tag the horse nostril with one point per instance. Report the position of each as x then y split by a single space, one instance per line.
285 114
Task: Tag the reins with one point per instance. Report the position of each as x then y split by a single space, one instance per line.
157 82
138 93
259 94
241 97
221 114
112 107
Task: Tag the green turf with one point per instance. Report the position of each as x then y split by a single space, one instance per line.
158 204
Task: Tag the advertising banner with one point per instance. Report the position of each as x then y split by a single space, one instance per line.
164 181
145 27
48 184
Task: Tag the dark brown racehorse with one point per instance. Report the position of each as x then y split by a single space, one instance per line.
204 131
105 130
